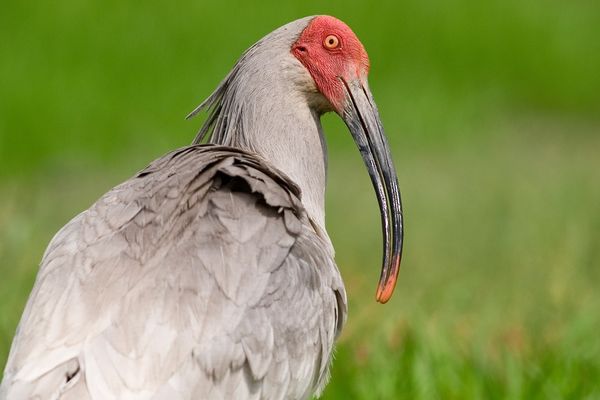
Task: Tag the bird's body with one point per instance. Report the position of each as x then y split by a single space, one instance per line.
209 274
200 277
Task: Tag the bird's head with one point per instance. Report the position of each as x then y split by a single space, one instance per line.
333 56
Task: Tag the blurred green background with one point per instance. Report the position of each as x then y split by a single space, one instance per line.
493 112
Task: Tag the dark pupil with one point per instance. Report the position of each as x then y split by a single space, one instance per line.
331 41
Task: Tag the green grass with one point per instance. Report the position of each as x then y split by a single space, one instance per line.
498 297
492 109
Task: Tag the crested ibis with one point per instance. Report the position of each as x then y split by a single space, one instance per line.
209 274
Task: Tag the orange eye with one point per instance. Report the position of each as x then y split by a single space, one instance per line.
331 42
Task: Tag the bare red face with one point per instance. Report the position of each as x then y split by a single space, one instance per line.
330 50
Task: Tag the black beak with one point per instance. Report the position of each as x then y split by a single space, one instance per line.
362 118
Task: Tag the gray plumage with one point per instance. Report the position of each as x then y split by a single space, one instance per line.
205 276
200 277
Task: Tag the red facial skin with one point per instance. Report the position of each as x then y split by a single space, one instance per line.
348 60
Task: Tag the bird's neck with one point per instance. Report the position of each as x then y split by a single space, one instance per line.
285 131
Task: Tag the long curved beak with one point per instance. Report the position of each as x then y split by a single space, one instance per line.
362 118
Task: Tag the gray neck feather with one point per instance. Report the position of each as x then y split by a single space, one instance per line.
268 104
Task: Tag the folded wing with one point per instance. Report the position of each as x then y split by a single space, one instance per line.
200 277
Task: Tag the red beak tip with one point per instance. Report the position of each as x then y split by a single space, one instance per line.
384 294
386 289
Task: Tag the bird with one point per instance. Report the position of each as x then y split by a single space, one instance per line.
209 274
